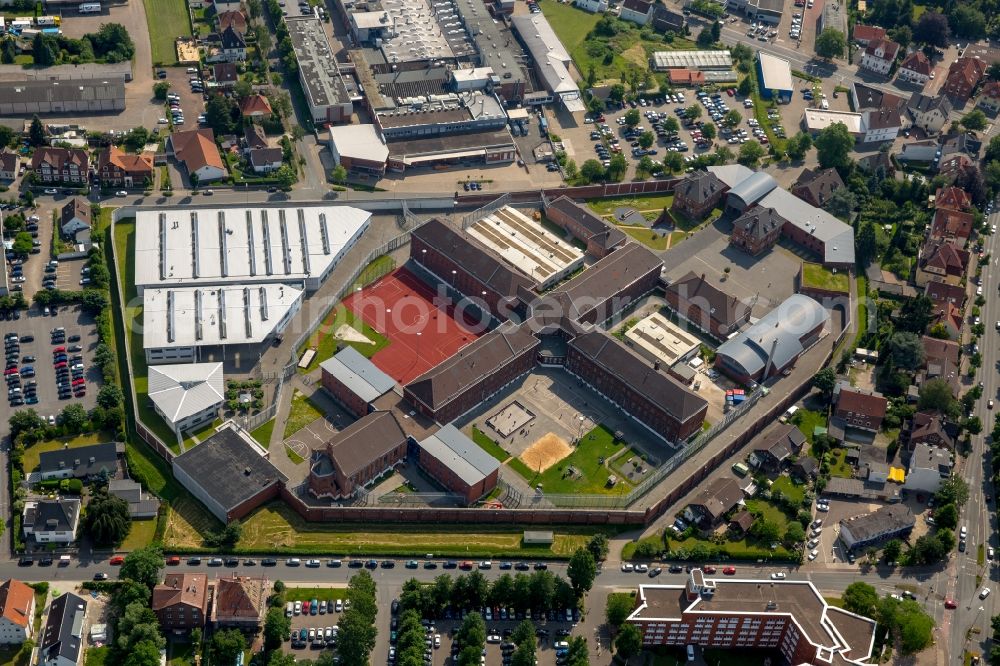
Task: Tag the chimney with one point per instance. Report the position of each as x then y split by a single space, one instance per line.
770 360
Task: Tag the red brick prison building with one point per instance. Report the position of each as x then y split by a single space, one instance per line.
356 455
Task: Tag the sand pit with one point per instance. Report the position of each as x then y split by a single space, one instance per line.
545 452
349 334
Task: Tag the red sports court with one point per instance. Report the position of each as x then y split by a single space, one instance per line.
421 333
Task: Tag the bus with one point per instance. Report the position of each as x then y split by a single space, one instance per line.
90 8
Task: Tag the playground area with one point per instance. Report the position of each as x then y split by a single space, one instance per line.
421 326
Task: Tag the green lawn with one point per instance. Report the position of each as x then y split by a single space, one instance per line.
181 654
746 547
821 277
654 240
293 456
262 433
591 476
303 412
793 491
166 20
486 444
140 535
326 344
807 421
276 528
642 204
628 550
97 656
34 452
838 464
201 435
317 593
570 24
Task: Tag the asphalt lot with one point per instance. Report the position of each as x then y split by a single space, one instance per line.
33 322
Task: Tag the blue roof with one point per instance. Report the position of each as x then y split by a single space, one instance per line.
358 374
780 329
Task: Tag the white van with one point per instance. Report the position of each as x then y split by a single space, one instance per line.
64 560
690 652
289 609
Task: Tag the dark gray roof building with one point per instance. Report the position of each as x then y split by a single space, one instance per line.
81 463
62 640
365 440
593 228
758 222
880 525
140 503
460 454
84 96
229 472
699 186
358 374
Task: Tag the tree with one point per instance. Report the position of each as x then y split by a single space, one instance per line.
571 170
671 125
750 153
276 627
935 394
22 244
913 627
73 418
8 51
860 598
36 133
581 571
967 22
831 43
628 642
524 632
42 52
110 396
824 381
833 146
577 653
619 607
953 490
107 520
708 131
160 90
946 516
339 174
592 171
892 550
227 645
646 139
741 52
932 28
799 145
907 350
221 114
867 243
745 87
765 530
902 35
143 653
915 314
693 112
974 120
143 566
794 534
673 162
618 167
279 658
632 117
524 655
616 93
242 89
841 203
112 42
705 39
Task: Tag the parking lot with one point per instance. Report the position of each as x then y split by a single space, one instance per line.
37 354
318 611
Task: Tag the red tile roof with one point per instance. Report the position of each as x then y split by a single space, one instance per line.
15 601
949 222
255 105
952 198
868 33
861 402
196 148
917 62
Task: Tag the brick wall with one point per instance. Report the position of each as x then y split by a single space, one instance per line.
347 398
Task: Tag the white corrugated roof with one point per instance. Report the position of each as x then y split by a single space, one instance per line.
181 390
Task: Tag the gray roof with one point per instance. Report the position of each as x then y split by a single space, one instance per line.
605 235
753 188
62 92
891 517
550 56
758 221
925 456
920 103
460 454
784 325
183 389
322 80
228 468
139 503
57 515
63 634
700 186
358 374
84 461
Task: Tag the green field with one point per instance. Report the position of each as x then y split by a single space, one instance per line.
654 240
276 528
140 535
591 475
181 654
642 204
34 452
793 491
167 20
201 435
821 277
262 433
325 343
838 464
317 593
486 444
303 412
96 656
807 421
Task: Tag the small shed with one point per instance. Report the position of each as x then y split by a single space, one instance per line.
538 538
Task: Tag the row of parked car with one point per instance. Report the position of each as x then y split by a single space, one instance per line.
316 637
315 607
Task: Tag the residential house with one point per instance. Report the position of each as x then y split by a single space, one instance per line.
880 124
665 20
741 522
592 6
74 217
929 113
757 230
9 165
870 529
943 292
952 198
775 446
232 18
255 106
858 408
265 160
61 165
948 316
240 602
879 56
929 466
916 68
141 504
951 168
233 43
877 163
697 194
716 499
197 151
870 97
116 168
815 186
924 152
929 428
866 34
989 97
17 612
86 462
51 521
254 137
181 601
953 225
963 77
805 468
940 360
225 74
706 306
941 260
636 11
62 639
